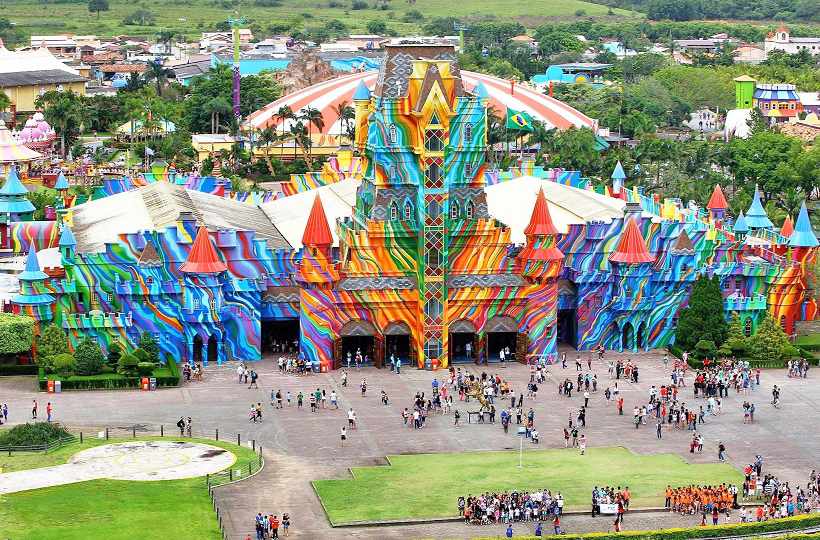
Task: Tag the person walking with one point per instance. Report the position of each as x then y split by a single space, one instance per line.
722 452
509 531
582 444
343 436
181 426
34 409
659 430
49 410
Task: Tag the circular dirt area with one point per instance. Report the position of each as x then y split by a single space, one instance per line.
153 460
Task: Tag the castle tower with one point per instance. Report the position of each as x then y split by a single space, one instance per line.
631 268
540 262
68 245
618 178
744 92
788 227
203 300
756 217
717 205
317 267
34 299
361 103
740 227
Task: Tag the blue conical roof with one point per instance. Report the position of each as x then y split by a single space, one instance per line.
803 235
756 217
62 182
618 173
362 92
13 185
480 91
67 237
740 225
32 271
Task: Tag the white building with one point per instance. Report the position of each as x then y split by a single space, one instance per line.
780 40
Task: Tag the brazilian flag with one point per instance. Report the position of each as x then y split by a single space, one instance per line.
519 120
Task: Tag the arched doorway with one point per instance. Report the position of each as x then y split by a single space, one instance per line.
197 352
397 343
462 342
213 350
641 338
501 333
359 337
627 337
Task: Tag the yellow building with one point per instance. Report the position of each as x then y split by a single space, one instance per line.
206 144
26 75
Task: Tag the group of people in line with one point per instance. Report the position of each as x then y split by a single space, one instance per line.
510 507
267 526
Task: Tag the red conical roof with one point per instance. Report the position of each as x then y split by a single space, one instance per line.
788 227
631 247
717 201
541 221
203 258
317 230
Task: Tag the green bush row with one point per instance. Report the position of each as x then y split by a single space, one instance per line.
16 369
103 382
739 529
34 434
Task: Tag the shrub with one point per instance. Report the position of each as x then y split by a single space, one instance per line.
114 353
358 4
705 349
580 12
89 357
150 345
63 363
703 319
32 434
52 341
128 364
142 355
16 333
145 369
736 340
412 16
140 17
769 342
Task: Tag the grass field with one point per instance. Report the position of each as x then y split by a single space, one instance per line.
192 17
109 509
428 485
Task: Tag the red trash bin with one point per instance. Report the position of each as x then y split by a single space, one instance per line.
145 384
50 386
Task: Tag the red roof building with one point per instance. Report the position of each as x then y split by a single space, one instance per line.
317 230
203 258
717 201
631 247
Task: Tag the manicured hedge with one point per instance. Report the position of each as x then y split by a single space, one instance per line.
739 529
16 333
16 369
108 381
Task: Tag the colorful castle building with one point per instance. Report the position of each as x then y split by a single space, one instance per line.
419 255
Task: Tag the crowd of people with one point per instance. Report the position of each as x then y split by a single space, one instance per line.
510 507
267 526
701 499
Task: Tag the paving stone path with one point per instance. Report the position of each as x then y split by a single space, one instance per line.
301 446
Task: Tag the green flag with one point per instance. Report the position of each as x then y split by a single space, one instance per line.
519 120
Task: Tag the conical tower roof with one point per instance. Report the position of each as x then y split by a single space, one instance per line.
541 221
803 235
32 271
203 258
788 227
756 217
67 237
717 201
480 91
618 173
317 230
362 93
740 225
683 244
149 256
631 247
13 186
62 182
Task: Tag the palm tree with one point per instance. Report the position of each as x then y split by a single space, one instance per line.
313 117
268 138
284 114
216 107
159 74
345 113
65 112
297 132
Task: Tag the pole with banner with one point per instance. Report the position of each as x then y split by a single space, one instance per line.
237 76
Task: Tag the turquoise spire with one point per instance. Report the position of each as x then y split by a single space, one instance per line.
32 271
803 235
480 91
740 225
62 182
362 92
67 237
756 217
618 173
13 198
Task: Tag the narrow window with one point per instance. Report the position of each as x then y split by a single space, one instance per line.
394 211
394 134
453 210
408 210
470 209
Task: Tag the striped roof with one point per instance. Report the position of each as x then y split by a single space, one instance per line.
776 91
325 95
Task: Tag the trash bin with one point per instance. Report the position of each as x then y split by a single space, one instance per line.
428 364
144 384
317 367
50 386
58 386
153 383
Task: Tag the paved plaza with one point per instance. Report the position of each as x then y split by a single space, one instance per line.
301 446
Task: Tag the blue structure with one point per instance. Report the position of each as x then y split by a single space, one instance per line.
582 72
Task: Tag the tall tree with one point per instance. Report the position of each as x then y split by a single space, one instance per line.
65 112
159 74
97 6
703 318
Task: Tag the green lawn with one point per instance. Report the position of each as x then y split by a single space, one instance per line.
810 340
195 16
110 509
428 485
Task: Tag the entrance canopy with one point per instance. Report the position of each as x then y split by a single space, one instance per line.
501 323
462 326
358 328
